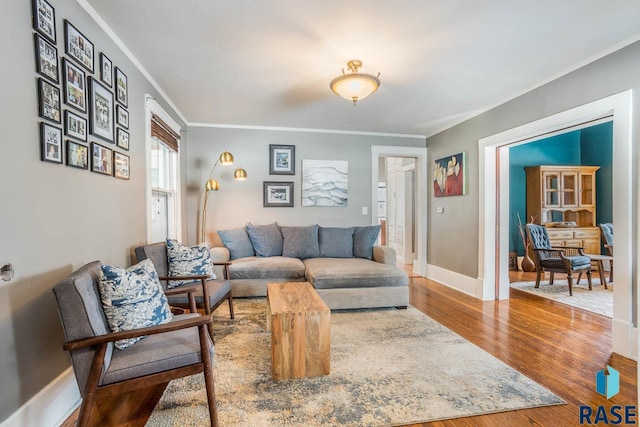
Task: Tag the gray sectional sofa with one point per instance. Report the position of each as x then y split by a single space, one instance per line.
343 264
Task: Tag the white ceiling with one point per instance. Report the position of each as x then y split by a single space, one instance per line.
269 63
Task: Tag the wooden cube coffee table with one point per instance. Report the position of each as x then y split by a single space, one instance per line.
300 324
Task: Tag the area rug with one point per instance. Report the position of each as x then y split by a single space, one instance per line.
599 300
388 367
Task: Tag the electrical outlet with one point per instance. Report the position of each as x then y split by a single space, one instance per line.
440 209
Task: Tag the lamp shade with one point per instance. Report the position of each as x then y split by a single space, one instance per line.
355 86
240 174
212 185
226 158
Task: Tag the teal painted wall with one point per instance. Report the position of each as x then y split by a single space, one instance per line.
589 146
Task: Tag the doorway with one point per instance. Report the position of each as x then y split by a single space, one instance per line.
399 213
419 208
494 192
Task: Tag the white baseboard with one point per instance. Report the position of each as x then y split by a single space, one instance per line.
457 281
623 344
50 406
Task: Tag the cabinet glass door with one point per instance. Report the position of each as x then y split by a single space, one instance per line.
551 188
586 190
569 187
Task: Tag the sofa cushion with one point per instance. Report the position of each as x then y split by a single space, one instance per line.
327 273
238 242
132 298
300 242
336 242
277 267
188 261
266 239
363 240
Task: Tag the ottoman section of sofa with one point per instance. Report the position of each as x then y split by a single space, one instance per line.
329 273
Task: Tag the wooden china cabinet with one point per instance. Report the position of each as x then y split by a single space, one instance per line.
558 196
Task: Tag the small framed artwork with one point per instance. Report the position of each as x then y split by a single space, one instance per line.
44 19
121 163
49 101
46 58
282 159
122 88
50 143
278 194
75 86
449 176
122 116
122 139
75 125
77 46
101 159
77 155
106 70
101 111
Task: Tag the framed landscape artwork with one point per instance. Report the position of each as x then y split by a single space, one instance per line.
282 159
325 182
101 111
449 176
278 194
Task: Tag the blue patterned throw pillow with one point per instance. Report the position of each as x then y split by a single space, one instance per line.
132 298
188 261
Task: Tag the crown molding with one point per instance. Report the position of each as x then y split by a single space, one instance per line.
309 130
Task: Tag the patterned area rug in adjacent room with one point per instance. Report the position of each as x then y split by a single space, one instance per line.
599 300
388 367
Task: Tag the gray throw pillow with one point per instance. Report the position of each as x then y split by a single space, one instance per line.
266 239
300 242
238 243
364 239
336 242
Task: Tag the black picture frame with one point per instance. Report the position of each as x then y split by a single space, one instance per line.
44 19
282 159
277 194
106 70
121 87
75 85
101 159
122 139
78 47
46 58
75 126
121 166
122 116
77 155
50 143
49 104
100 110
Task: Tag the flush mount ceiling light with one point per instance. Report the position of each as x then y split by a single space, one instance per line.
355 86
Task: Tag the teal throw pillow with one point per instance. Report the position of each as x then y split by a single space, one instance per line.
266 239
132 298
237 242
336 242
363 240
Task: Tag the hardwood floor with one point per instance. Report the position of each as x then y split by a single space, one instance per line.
556 345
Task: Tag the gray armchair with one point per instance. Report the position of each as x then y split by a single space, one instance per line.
209 296
172 350
557 259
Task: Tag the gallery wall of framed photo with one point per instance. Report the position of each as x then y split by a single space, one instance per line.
83 108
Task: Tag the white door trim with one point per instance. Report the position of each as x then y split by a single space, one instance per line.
620 106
